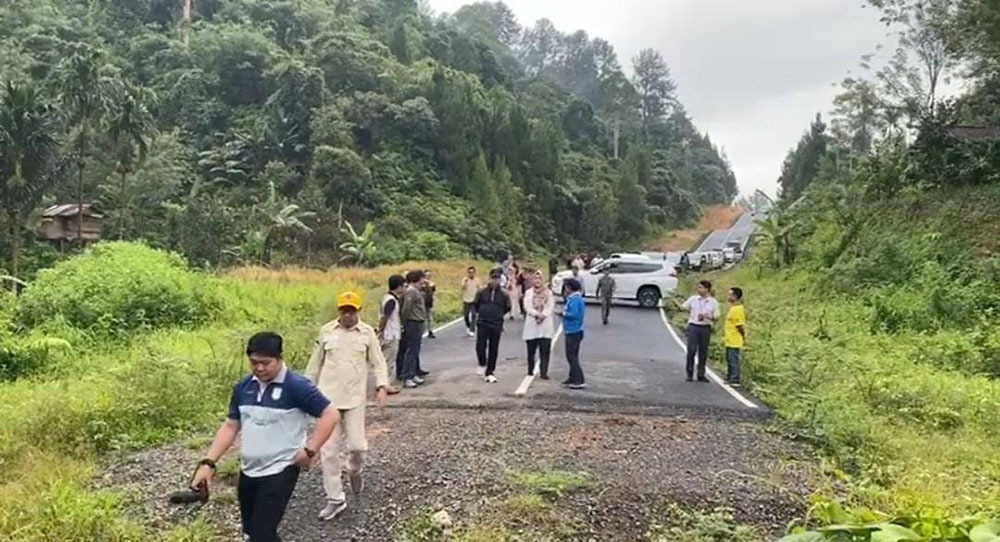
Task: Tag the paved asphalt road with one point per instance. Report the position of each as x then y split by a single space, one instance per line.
634 363
740 231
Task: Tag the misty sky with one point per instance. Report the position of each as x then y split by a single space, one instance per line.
752 73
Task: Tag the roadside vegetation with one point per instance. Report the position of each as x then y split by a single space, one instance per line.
872 293
120 371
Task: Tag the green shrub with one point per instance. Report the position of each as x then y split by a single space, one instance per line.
116 288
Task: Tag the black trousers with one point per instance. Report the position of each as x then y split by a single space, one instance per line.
573 341
263 501
413 334
543 347
469 315
697 338
488 347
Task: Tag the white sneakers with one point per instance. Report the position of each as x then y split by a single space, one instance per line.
332 510
491 379
470 333
418 381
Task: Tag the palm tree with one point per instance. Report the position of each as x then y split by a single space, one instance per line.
86 92
29 150
130 130
280 216
359 248
777 228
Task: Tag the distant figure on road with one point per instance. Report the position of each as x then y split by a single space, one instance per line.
346 350
539 305
429 289
703 310
270 408
492 306
577 263
573 315
414 318
736 336
515 282
470 287
606 291
553 266
390 327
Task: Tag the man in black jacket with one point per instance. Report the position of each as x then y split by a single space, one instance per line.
492 304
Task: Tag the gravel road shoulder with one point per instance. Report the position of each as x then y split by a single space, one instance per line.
463 461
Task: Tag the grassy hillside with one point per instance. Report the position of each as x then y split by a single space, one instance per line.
886 355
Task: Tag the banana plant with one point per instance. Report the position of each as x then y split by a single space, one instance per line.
359 249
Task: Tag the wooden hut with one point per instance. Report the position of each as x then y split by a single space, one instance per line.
59 223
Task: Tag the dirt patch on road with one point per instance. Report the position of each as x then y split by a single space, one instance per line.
716 217
463 463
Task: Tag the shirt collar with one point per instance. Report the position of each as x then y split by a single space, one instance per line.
280 379
337 325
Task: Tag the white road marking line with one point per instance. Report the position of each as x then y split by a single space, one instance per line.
711 374
527 380
444 326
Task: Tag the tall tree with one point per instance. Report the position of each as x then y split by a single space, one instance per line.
86 92
802 165
130 129
28 153
657 90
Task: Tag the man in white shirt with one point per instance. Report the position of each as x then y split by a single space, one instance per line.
703 311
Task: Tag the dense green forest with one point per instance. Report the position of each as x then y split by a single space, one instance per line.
310 130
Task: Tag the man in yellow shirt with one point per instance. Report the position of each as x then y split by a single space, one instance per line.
470 287
345 351
736 321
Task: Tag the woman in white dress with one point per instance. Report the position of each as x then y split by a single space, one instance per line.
514 289
539 327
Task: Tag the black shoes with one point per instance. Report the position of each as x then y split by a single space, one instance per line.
690 378
422 374
702 379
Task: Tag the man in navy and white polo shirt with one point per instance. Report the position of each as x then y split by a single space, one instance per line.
271 407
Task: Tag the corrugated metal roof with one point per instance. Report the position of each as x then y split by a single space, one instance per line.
70 209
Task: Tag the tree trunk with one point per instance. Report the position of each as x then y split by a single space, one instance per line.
79 194
186 20
617 135
15 249
123 210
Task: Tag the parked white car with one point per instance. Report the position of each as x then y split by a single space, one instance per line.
637 278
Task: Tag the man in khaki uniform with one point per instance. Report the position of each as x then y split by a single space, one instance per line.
346 350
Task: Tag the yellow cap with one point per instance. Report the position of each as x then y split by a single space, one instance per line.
349 299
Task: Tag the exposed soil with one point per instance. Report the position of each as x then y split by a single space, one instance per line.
716 217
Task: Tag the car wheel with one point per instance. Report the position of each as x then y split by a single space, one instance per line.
648 297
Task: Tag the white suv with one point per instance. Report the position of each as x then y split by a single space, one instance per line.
637 278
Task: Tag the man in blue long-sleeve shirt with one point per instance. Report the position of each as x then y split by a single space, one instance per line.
573 326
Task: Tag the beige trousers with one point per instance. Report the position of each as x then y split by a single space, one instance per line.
389 352
352 430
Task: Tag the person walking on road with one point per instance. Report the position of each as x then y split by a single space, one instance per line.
514 285
414 318
429 289
390 328
606 291
736 336
573 315
470 287
269 409
703 311
553 266
492 306
346 350
539 305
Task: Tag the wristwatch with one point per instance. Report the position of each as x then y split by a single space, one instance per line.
310 453
208 462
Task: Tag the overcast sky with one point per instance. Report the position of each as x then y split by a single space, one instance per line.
752 73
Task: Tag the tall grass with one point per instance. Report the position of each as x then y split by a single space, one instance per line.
904 434
114 395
